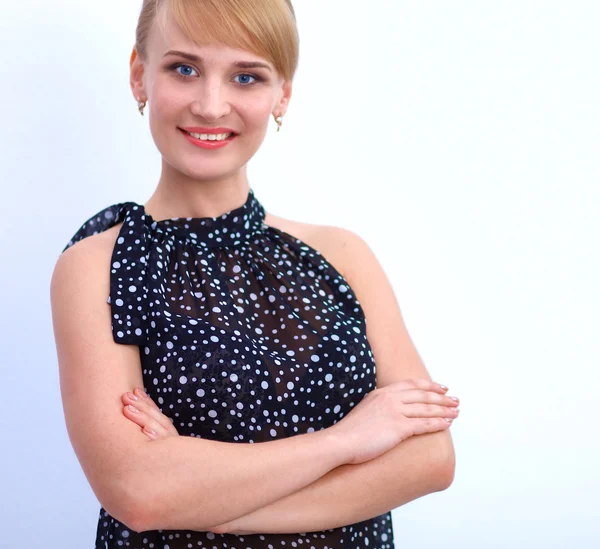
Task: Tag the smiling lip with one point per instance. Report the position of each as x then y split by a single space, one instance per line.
208 144
198 129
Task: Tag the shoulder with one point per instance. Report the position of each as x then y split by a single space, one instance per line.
105 262
340 246
88 260
352 256
91 248
395 354
93 242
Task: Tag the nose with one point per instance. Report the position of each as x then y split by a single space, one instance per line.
211 103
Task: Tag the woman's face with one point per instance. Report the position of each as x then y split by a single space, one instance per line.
211 92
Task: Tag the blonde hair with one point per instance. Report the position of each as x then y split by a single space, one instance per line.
267 28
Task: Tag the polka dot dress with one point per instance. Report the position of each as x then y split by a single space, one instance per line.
246 334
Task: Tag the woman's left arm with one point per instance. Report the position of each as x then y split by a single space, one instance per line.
416 467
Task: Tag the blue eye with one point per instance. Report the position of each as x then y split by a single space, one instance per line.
246 76
183 67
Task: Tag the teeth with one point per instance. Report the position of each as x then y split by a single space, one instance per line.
210 136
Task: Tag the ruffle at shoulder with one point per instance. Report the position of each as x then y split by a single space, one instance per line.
128 297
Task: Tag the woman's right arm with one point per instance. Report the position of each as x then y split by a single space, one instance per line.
182 482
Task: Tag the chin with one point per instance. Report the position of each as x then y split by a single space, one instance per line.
204 172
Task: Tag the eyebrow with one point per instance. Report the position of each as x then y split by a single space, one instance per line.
240 64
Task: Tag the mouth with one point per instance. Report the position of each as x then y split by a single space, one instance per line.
210 137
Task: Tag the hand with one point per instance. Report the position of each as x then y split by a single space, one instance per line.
153 422
388 415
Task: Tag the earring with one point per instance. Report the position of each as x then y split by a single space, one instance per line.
141 106
279 120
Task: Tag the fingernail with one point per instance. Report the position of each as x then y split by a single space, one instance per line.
132 396
142 392
454 398
132 408
443 387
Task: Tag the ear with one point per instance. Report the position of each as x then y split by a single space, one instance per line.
284 98
136 76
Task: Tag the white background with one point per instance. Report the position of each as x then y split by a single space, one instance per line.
460 139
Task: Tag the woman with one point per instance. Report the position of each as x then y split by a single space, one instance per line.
265 422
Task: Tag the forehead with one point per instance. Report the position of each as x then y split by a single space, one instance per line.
166 35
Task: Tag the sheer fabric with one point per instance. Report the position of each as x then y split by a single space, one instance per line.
246 334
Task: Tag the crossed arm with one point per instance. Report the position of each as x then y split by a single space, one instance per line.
417 466
348 494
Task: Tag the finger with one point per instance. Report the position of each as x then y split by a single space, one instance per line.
421 426
150 434
145 398
147 405
139 392
144 408
144 405
417 383
411 396
142 419
429 410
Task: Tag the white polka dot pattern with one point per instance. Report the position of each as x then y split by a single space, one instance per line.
246 334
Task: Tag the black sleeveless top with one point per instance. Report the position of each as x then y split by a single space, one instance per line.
246 334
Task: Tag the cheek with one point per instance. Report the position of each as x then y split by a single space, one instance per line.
166 104
166 110
256 113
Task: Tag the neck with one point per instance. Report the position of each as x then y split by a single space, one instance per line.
178 195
